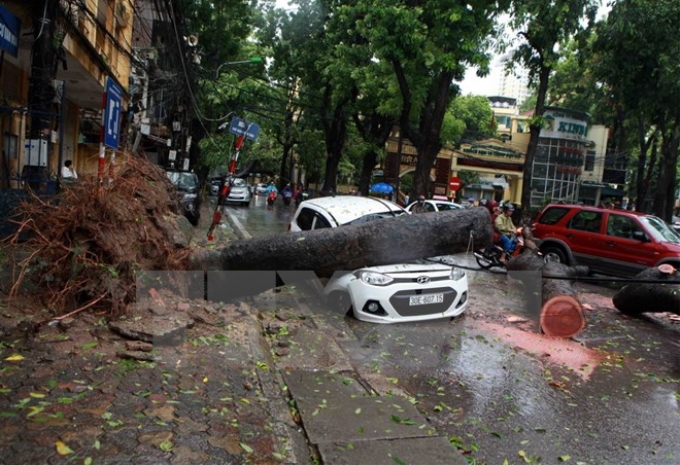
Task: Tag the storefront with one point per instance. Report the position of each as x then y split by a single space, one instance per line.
559 158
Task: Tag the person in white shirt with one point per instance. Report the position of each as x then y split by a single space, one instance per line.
67 171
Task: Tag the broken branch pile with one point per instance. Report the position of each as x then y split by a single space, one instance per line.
86 243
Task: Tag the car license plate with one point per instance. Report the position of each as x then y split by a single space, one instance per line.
425 299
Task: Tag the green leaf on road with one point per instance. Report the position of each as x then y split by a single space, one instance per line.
397 460
565 458
402 421
247 448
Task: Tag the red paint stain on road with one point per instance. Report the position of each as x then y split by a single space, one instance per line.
581 360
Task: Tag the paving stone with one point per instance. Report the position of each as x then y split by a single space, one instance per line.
416 451
184 455
305 384
338 418
230 444
123 438
146 454
164 413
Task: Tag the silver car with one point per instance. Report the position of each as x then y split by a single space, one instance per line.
239 192
675 223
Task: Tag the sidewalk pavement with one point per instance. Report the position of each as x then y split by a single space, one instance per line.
196 382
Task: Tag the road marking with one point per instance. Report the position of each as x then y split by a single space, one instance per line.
240 229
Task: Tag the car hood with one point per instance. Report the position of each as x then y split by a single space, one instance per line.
413 267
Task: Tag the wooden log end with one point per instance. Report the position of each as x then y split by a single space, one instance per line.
666 269
562 316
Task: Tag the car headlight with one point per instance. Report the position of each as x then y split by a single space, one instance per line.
374 278
457 273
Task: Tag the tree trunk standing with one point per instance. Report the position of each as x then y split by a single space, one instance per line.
375 131
369 161
536 126
284 176
636 298
335 135
664 197
426 138
43 67
643 179
379 242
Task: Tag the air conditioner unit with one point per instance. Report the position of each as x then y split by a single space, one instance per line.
35 152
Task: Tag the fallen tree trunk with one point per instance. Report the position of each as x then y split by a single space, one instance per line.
560 313
379 242
636 298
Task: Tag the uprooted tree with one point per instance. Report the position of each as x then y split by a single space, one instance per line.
380 242
85 245
88 245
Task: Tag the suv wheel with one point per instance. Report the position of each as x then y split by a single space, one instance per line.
554 254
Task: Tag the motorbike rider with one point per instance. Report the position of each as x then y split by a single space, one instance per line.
271 188
506 228
271 192
287 193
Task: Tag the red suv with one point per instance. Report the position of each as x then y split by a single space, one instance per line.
615 242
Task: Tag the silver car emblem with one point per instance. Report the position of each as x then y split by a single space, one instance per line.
422 279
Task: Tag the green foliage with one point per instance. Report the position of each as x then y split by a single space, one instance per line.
476 114
637 61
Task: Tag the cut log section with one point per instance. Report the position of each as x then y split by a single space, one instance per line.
561 313
663 296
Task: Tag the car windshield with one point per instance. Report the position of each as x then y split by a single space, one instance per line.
376 216
660 230
238 182
183 181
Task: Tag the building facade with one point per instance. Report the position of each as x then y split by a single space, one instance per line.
53 82
570 165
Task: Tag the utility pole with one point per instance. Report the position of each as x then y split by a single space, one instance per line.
43 68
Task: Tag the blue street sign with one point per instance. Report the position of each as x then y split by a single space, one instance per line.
10 26
114 102
252 131
241 127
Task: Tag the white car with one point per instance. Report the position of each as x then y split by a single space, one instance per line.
260 189
437 206
239 192
415 291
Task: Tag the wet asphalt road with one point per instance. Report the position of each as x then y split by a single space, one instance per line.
508 395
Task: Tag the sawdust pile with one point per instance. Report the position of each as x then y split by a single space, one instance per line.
84 246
